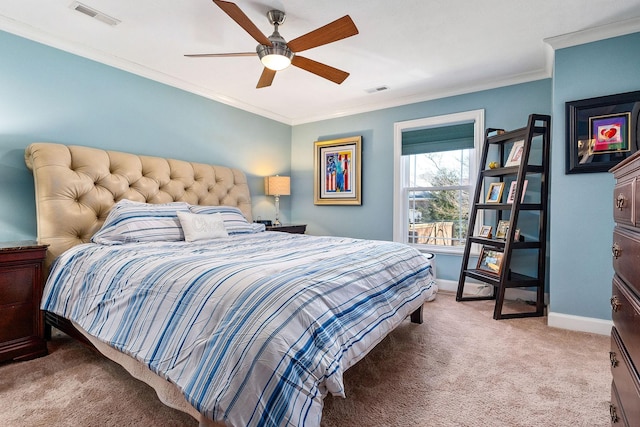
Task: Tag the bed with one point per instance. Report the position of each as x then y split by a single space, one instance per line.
157 263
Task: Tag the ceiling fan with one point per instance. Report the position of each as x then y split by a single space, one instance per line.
276 54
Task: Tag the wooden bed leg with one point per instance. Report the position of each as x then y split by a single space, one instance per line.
416 316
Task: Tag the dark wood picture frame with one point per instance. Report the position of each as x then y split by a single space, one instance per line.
601 132
490 261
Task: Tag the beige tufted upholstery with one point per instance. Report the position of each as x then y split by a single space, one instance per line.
75 187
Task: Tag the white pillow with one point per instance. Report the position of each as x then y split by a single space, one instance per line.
202 227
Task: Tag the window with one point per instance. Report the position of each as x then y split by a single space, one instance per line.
435 173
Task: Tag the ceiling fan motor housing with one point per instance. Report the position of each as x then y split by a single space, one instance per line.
278 56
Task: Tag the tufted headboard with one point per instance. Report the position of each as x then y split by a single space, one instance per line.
75 187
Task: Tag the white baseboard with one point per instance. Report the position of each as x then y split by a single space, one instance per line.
556 320
579 323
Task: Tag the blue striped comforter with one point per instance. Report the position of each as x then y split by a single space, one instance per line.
254 329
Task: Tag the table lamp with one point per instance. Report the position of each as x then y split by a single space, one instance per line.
277 186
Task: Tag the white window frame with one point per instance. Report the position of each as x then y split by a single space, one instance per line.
401 172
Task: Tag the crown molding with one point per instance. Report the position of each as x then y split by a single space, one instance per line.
34 34
589 35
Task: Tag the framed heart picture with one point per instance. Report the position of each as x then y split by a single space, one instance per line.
601 132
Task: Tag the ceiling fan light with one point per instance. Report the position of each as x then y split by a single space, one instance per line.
276 57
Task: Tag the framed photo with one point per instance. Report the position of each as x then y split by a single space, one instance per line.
485 231
601 131
516 235
512 191
490 260
502 229
494 194
515 155
337 176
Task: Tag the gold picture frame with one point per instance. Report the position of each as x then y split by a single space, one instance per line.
485 231
494 193
337 178
502 229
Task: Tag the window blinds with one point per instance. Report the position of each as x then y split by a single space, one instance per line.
443 138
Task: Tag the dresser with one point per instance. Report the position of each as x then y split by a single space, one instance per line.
625 295
21 282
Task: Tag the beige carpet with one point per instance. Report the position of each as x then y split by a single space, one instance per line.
460 368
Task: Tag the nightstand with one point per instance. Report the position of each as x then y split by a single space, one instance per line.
288 228
21 283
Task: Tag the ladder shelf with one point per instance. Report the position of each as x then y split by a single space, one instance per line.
496 264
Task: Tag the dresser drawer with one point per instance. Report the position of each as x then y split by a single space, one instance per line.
625 312
626 381
626 257
615 409
624 203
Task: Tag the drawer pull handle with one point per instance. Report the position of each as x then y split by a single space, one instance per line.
612 359
615 303
613 413
616 251
620 201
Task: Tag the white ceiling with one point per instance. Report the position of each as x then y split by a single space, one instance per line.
419 49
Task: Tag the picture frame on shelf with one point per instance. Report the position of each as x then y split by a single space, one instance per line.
601 132
515 155
511 196
516 235
337 178
485 231
502 229
490 260
494 193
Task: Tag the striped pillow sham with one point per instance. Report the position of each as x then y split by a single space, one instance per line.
234 221
130 222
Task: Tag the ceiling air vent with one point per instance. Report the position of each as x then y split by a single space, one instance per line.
96 14
377 89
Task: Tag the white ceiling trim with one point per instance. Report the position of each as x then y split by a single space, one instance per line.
11 26
550 44
486 85
589 35
31 33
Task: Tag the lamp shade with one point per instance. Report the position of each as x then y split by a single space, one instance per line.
277 185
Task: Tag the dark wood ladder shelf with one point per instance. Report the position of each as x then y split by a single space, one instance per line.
532 170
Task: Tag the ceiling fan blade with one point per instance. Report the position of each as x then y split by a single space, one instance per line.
334 31
320 69
266 78
243 20
220 55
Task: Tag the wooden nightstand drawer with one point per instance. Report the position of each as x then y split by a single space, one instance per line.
21 283
16 322
15 285
293 229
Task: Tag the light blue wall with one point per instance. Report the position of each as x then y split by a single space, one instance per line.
506 107
50 95
581 209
